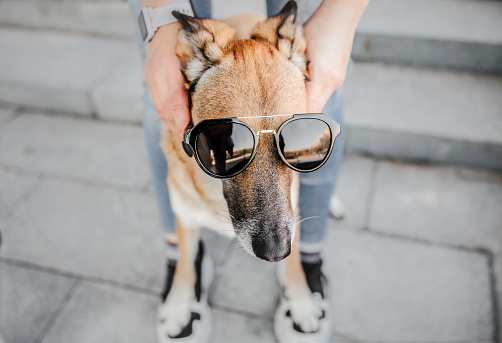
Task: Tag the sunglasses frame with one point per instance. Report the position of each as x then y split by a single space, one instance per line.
190 138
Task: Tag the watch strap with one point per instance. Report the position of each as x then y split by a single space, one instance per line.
160 16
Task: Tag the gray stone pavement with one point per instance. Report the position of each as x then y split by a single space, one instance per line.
418 257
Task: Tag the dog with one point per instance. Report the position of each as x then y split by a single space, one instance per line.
226 77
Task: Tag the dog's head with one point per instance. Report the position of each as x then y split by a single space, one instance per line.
263 75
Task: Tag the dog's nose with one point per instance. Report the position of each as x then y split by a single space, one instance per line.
271 247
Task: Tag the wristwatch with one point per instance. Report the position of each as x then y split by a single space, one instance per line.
151 18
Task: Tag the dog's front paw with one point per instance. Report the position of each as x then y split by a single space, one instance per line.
306 314
175 314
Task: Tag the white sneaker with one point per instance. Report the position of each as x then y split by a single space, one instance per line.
199 328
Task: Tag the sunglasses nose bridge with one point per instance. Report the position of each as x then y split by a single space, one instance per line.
266 131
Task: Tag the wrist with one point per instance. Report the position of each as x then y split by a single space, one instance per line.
337 16
159 3
150 19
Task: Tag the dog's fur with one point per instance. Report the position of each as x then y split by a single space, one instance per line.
227 77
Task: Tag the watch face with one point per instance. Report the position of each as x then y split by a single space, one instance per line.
142 26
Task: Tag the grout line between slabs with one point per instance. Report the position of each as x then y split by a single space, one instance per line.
73 179
475 250
87 278
26 197
95 280
496 334
58 311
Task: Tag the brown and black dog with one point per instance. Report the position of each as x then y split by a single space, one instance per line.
264 74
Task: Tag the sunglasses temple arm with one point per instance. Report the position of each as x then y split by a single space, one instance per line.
337 129
186 145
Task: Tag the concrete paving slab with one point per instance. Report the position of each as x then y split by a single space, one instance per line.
95 151
28 300
217 245
119 95
435 204
336 338
451 100
395 120
99 313
441 34
89 230
6 115
498 285
104 18
497 263
468 20
54 70
353 188
231 327
246 284
13 187
389 290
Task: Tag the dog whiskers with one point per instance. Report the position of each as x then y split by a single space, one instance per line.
312 217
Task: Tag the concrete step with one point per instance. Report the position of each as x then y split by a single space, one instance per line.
83 75
425 115
455 34
108 18
393 112
464 35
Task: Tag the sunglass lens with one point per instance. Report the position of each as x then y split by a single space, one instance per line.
305 143
225 149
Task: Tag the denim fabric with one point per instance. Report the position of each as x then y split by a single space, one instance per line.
315 187
152 125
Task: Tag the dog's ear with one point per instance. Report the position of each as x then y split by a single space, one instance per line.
200 45
283 33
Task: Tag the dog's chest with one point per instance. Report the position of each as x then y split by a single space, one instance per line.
201 204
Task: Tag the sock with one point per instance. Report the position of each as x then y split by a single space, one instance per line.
310 256
310 252
172 256
172 253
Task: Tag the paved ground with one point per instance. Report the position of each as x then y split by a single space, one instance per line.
417 258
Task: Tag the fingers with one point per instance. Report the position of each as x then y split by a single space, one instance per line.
325 80
165 81
179 113
171 101
315 98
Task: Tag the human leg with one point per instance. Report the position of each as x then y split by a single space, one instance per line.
304 313
183 298
152 127
316 187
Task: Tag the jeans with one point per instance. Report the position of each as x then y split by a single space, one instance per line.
315 188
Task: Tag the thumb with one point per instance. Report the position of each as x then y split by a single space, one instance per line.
315 98
181 117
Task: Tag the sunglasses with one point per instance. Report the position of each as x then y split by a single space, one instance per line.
225 147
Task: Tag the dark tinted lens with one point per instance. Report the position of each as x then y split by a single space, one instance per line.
305 143
225 149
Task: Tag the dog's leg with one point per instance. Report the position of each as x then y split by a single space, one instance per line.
304 311
176 312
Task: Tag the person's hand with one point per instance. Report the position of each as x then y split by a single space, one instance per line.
165 81
329 34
